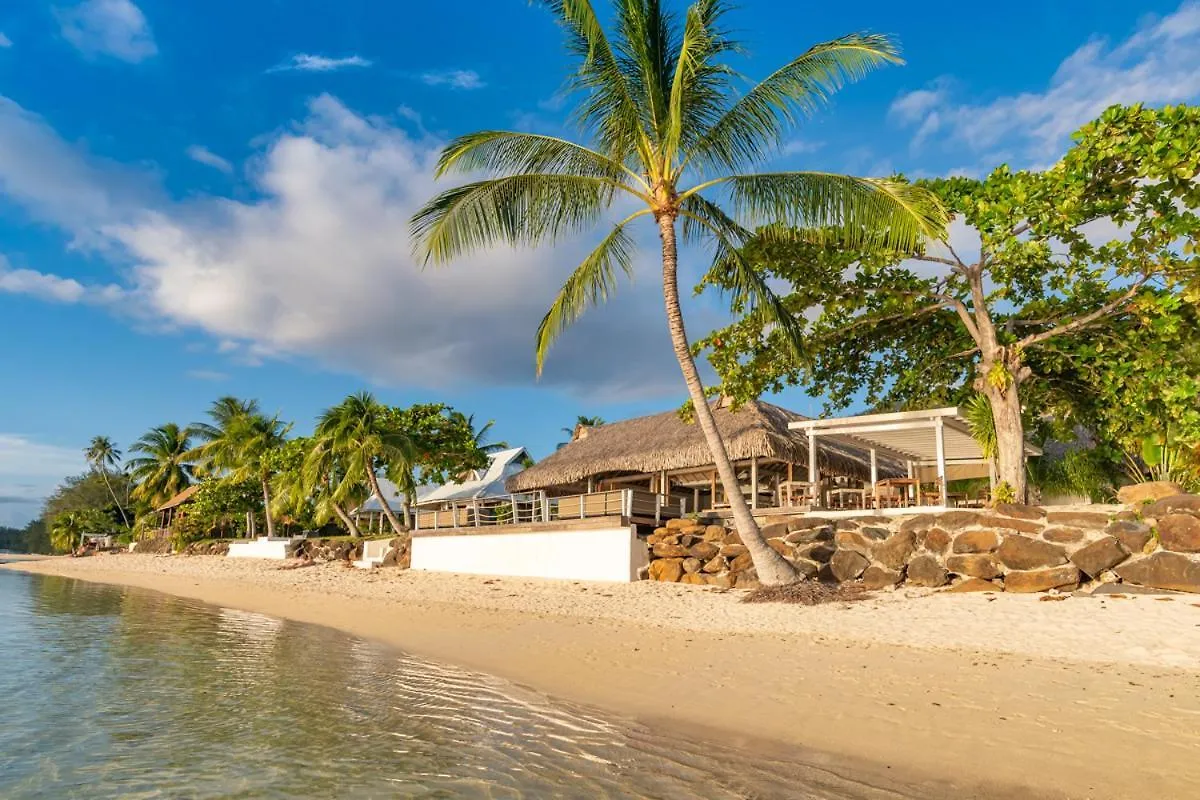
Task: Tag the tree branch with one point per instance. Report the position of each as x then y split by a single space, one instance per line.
1086 319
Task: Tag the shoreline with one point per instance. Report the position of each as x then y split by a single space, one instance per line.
997 695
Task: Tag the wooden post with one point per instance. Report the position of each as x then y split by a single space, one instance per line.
591 484
696 499
714 488
814 473
939 436
753 482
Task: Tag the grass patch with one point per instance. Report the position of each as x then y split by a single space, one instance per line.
807 593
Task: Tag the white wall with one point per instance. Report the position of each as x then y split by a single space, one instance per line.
603 554
262 548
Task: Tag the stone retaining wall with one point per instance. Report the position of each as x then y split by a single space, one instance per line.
398 553
1012 548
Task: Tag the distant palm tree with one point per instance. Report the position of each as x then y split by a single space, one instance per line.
583 422
358 432
322 480
671 136
480 436
162 469
238 444
104 457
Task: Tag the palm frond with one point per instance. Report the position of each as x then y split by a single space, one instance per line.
590 284
700 84
749 289
518 210
514 153
854 212
755 125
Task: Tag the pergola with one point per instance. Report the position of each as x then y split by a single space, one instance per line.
936 441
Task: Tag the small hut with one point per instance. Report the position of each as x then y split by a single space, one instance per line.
173 508
670 457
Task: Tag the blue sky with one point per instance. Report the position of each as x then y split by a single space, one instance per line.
200 199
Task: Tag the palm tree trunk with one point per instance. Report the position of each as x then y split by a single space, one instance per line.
116 502
267 509
347 520
387 509
773 569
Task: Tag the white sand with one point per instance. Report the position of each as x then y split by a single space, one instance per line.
1083 697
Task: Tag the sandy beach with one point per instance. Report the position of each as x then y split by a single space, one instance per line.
968 695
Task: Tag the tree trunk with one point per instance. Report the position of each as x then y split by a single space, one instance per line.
347 520
116 502
383 503
1005 400
773 569
267 509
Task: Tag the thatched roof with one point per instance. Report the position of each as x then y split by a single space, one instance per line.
180 498
665 442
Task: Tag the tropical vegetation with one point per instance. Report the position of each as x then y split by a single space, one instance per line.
672 137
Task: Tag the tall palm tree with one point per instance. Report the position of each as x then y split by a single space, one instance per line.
162 468
322 480
238 443
480 435
358 432
104 457
672 138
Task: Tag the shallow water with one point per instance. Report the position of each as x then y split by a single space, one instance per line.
113 692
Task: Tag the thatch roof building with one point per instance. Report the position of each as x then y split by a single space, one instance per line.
664 444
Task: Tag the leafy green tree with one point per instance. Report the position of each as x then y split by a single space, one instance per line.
68 529
310 484
1025 320
238 442
105 458
672 139
218 509
162 468
361 436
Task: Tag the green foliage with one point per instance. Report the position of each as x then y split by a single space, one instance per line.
1004 493
1079 472
1087 285
68 528
217 510
445 443
163 468
671 132
87 492
978 413
1164 457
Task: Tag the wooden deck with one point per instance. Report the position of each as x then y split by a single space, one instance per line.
537 509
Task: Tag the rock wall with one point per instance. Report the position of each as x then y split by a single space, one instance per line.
1014 548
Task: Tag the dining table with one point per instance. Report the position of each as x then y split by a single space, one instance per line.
910 489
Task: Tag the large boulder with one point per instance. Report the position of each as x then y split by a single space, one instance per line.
820 552
1011 524
1042 580
716 565
666 569
895 551
664 550
1063 535
1020 511
1132 534
1179 533
1175 504
692 565
808 523
976 542
957 520
678 524
1139 493
1022 552
877 577
918 523
974 585
715 533
1078 519
733 550
935 540
979 565
703 550
776 530
780 546
926 570
846 565
862 541
741 563
1102 554
1163 570
808 535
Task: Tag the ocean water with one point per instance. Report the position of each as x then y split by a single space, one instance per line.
112 692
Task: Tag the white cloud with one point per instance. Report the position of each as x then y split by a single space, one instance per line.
203 155
307 62
1157 64
207 375
115 28
797 147
4 40
54 288
466 79
318 266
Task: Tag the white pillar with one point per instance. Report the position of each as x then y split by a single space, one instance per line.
874 468
814 473
939 436
754 482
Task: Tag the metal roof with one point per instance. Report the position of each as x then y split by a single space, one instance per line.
482 483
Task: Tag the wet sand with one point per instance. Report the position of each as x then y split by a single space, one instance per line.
977 695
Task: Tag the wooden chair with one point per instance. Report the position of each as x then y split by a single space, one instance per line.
888 496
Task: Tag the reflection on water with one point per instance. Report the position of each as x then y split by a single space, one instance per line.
110 692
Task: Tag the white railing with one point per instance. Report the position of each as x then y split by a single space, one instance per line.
524 509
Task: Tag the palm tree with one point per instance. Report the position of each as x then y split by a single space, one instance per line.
163 469
583 422
238 442
671 138
358 432
480 435
104 457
